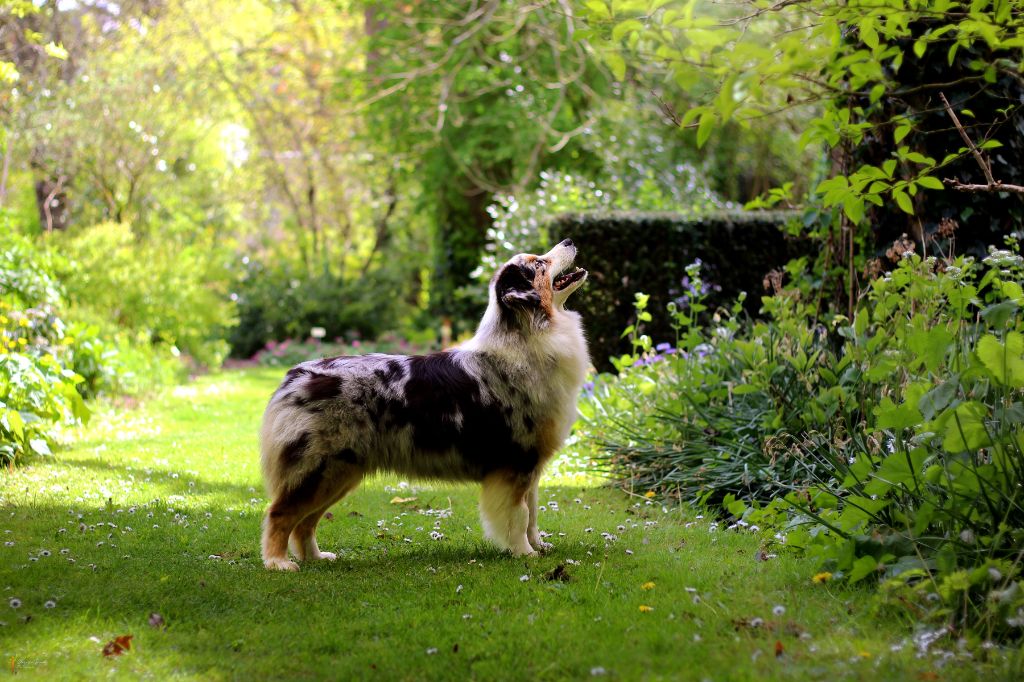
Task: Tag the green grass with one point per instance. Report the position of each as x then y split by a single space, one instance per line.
160 510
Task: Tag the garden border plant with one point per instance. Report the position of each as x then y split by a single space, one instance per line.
889 448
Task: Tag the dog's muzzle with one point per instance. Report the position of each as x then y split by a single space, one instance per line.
561 257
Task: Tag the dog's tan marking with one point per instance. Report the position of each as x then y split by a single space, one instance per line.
548 440
505 512
542 285
295 513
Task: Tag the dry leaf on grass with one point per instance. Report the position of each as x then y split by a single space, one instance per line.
117 646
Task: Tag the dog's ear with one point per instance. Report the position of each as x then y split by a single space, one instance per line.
514 289
521 299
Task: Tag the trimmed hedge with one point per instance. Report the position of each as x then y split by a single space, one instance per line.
627 251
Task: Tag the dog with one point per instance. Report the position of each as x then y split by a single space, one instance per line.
493 410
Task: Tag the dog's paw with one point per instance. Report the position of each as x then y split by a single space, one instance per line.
523 551
280 565
324 556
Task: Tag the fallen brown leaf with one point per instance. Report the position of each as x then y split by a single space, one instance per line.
117 646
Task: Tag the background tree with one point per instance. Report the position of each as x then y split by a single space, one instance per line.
479 97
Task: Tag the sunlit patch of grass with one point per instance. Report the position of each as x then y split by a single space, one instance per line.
158 511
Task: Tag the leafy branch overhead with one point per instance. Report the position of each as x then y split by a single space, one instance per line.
840 63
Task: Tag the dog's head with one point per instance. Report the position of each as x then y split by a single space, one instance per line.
534 289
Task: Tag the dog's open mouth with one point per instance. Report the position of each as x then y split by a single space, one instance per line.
568 279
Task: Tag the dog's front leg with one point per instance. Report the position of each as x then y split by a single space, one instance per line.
504 511
533 532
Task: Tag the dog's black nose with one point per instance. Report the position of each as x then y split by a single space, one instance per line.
567 242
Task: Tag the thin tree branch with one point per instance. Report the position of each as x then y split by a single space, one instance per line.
993 185
985 167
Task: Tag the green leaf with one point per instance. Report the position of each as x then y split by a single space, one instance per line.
704 128
939 398
1013 291
734 506
1004 361
930 345
13 421
903 201
40 446
616 63
56 51
627 26
930 182
599 8
868 33
998 314
901 132
853 206
891 416
903 467
965 428
919 48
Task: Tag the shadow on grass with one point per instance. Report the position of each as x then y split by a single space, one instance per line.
162 477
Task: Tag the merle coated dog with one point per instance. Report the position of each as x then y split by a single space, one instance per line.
493 410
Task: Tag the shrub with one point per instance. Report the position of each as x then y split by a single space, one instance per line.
284 301
934 486
696 416
36 390
37 393
627 252
170 290
891 449
116 363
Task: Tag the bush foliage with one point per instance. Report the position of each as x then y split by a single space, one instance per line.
890 447
37 391
170 289
280 301
48 365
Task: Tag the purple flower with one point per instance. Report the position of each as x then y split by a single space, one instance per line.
663 347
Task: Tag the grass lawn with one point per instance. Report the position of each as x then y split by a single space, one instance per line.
157 511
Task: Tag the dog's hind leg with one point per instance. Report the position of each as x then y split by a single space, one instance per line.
504 510
290 507
303 538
